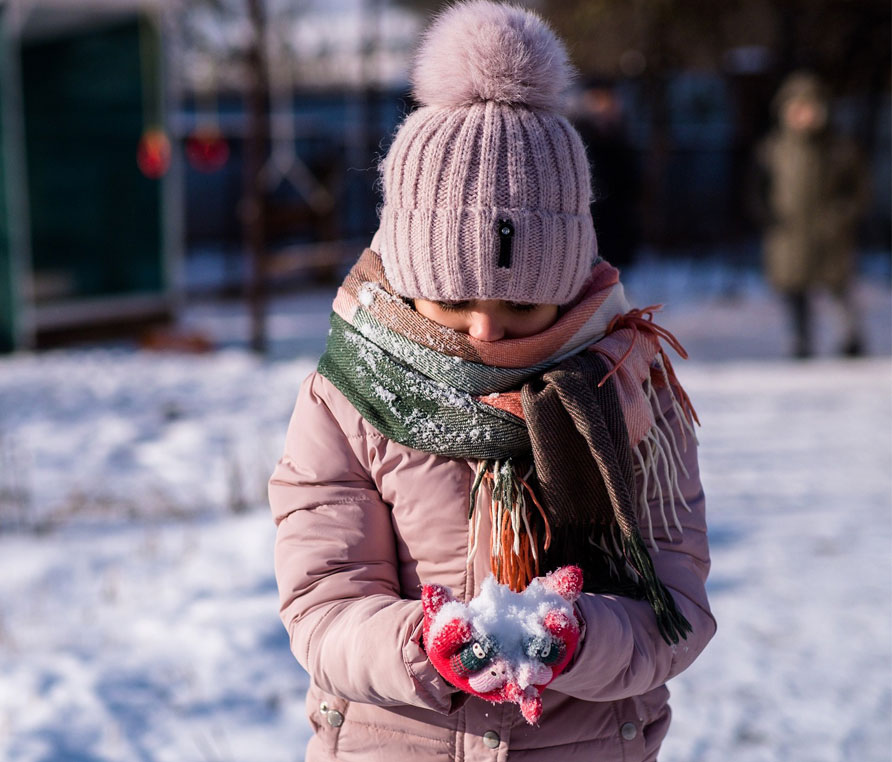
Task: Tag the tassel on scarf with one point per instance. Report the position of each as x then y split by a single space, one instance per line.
670 621
514 546
642 321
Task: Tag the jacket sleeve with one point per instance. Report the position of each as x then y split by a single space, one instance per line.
853 191
621 653
335 560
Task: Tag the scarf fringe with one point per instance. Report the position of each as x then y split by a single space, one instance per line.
514 542
659 454
670 621
641 321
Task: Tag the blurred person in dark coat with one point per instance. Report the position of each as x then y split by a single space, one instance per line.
615 172
813 192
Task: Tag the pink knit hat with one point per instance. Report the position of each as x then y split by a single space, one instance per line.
486 185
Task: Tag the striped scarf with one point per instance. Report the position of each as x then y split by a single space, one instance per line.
561 424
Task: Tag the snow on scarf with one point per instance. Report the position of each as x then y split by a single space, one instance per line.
561 423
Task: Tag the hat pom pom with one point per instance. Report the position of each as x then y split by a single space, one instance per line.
483 51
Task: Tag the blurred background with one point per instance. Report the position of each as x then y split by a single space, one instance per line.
159 153
182 187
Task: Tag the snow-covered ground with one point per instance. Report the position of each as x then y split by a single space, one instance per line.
797 468
114 434
138 613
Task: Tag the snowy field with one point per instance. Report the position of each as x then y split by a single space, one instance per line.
138 613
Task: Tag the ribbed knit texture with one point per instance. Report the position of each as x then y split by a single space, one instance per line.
456 173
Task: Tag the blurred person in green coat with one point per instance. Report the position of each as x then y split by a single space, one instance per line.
813 192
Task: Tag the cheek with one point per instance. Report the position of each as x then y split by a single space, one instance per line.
547 319
454 320
526 325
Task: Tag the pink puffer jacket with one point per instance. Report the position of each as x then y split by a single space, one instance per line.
363 522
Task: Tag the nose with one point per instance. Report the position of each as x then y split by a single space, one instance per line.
492 677
533 673
485 326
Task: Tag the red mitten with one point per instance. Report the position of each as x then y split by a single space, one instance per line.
502 645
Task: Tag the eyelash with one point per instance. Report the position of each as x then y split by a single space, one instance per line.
459 306
453 306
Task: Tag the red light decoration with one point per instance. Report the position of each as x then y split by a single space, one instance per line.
206 149
153 153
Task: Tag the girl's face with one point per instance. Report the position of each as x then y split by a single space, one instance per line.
490 319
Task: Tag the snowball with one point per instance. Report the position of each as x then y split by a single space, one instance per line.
511 618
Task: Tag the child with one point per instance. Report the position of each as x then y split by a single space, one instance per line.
813 190
489 495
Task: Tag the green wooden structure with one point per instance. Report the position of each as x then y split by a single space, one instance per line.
87 241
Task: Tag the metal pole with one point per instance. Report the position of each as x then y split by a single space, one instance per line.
256 152
17 211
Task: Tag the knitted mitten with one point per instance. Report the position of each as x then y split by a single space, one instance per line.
502 645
